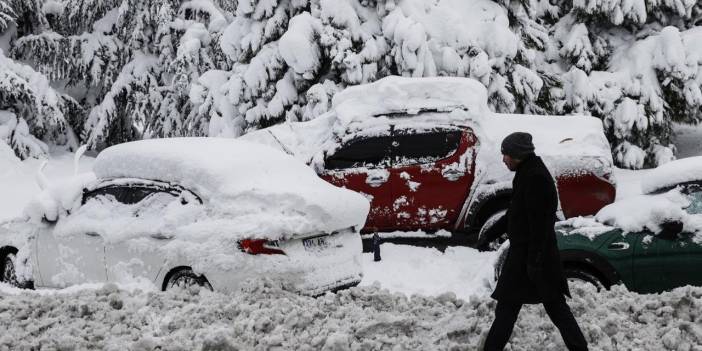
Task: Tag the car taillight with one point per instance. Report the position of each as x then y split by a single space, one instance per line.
260 247
602 169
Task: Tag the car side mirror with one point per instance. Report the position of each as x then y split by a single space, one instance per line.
670 229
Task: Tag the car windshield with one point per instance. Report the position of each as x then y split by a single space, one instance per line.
695 197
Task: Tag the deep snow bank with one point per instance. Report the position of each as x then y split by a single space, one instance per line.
368 318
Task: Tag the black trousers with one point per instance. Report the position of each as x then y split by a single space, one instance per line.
506 314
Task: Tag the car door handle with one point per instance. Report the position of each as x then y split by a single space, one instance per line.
618 246
92 234
161 236
453 174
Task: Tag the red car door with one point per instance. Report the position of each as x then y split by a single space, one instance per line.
431 176
361 165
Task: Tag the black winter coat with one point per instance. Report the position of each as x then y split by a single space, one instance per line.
532 271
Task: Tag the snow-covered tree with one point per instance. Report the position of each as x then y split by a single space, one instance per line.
31 111
7 15
131 69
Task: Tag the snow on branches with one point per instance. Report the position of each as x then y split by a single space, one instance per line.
131 69
31 111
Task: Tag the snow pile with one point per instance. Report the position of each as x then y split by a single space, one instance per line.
568 145
585 226
242 181
59 198
159 214
411 95
417 270
669 174
265 317
563 136
648 212
18 183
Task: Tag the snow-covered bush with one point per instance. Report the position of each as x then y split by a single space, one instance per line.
131 69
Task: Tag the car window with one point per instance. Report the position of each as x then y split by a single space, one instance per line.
128 194
123 194
428 147
112 192
694 193
368 152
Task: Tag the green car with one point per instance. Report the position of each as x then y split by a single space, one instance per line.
644 261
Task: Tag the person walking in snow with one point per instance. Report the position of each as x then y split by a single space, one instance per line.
532 272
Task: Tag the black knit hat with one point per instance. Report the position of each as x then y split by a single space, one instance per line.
518 145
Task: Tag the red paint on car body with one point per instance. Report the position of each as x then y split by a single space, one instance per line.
428 195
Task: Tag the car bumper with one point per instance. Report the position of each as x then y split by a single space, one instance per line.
308 272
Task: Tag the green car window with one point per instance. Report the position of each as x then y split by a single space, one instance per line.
695 196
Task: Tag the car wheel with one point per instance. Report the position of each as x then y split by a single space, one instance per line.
185 278
488 226
8 274
573 274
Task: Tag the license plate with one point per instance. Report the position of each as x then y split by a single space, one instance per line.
316 243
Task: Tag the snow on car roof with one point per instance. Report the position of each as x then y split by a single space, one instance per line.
671 173
423 103
646 212
638 213
209 166
228 171
404 94
552 135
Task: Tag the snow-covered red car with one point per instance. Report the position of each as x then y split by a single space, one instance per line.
184 211
425 152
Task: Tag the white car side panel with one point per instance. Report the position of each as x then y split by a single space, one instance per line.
134 259
68 260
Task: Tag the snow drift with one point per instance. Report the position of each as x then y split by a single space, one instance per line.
264 317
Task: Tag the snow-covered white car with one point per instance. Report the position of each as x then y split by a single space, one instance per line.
184 211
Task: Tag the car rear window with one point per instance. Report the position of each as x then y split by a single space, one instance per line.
368 152
126 194
424 147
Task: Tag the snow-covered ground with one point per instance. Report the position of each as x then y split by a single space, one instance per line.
264 317
462 271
